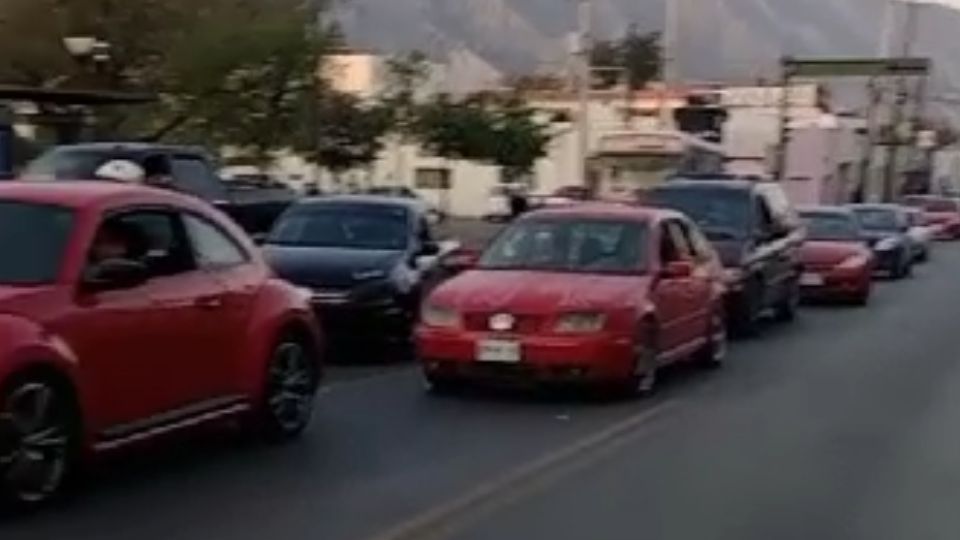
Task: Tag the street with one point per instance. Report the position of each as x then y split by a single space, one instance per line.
842 426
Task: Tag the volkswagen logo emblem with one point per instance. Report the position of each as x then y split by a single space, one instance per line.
502 322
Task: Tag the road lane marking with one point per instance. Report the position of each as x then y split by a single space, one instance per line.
445 519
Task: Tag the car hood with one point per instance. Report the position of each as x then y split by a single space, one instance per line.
321 267
538 292
731 252
829 253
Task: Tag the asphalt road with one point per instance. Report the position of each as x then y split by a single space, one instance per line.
842 426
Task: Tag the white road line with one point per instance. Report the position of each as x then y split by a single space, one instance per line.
444 519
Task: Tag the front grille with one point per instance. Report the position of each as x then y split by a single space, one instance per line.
525 324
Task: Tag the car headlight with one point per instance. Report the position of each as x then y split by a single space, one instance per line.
440 317
854 262
580 323
887 244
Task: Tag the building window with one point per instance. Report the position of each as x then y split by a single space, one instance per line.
432 178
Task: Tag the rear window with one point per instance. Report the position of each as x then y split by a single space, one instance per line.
933 205
39 254
721 213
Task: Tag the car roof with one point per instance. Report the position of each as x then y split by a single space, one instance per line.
601 210
413 205
876 206
720 182
131 147
824 209
83 194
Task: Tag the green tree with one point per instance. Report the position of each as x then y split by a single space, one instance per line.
349 134
227 72
636 55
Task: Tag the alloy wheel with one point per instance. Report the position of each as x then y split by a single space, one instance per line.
291 387
35 443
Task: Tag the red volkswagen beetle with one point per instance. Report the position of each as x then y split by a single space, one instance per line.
128 313
838 264
600 294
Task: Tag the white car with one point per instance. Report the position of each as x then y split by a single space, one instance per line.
921 235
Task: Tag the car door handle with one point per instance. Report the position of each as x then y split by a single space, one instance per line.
209 302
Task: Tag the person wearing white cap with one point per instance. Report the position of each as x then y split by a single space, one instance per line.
121 170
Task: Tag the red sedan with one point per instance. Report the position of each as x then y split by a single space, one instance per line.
128 313
942 213
838 265
596 294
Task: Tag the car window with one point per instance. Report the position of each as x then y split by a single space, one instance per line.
154 238
721 213
673 247
879 219
829 226
570 245
36 258
763 217
699 247
191 174
346 226
212 247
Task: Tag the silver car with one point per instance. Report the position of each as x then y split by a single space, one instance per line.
921 235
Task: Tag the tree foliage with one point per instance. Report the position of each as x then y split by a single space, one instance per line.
348 133
503 132
635 57
227 72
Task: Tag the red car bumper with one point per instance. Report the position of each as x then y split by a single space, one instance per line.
948 231
836 283
590 359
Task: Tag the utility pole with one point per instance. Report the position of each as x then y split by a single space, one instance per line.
903 90
584 46
668 60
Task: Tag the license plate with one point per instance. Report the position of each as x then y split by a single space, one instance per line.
811 280
498 351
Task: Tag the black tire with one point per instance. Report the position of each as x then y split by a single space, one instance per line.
643 381
862 299
290 389
39 441
786 310
745 314
714 352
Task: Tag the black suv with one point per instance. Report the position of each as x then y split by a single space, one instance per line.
190 170
758 236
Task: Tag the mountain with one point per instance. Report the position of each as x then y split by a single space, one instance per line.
720 39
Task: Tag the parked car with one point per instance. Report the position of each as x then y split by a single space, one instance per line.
432 211
755 230
921 234
186 169
886 230
940 212
128 314
367 261
837 265
591 294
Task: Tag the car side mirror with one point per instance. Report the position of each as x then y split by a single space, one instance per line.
429 249
678 270
460 260
116 274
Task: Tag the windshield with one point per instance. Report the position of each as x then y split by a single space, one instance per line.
66 164
722 214
346 226
878 219
39 255
570 245
830 226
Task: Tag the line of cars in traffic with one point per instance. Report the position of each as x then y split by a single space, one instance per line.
132 313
